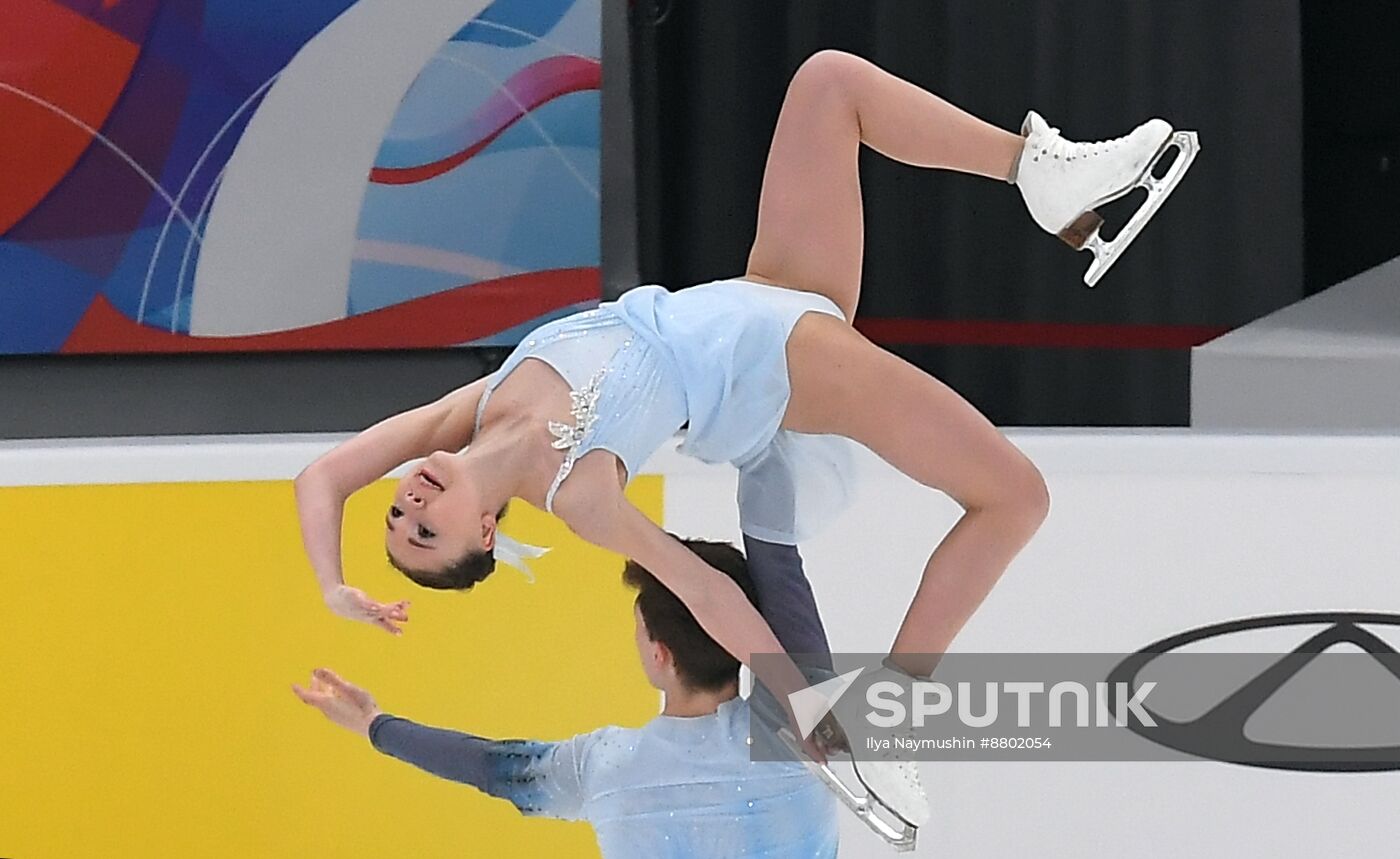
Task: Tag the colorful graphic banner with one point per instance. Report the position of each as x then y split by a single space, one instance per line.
205 175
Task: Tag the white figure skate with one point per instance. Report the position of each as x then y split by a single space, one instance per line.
1064 182
891 799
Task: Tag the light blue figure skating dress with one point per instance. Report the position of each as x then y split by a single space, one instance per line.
709 358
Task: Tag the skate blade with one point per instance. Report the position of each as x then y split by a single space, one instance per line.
1085 232
910 807
898 833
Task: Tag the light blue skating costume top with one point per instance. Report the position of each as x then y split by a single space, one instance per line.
710 358
676 788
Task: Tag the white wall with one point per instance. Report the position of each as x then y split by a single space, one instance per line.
1150 534
1328 363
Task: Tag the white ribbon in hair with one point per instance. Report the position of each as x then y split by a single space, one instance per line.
510 551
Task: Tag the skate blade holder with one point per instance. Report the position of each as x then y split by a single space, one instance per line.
897 832
1085 233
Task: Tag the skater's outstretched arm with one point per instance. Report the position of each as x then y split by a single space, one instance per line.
538 778
323 487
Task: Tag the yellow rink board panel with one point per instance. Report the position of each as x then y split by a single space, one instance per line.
152 635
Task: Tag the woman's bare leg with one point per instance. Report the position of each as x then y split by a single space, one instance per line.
810 229
810 237
846 385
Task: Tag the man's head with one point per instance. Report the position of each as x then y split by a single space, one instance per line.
436 531
675 650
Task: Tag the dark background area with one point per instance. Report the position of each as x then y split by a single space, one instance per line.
1351 137
1297 105
1226 248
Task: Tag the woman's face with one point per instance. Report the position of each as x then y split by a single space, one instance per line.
436 517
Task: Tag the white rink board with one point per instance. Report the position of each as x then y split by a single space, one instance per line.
1151 533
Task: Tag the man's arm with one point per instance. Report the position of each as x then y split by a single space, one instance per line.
538 778
786 601
541 779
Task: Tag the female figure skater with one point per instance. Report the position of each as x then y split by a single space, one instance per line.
766 370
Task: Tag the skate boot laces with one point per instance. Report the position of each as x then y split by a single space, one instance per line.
1055 147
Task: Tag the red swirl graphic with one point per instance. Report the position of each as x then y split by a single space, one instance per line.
443 319
535 85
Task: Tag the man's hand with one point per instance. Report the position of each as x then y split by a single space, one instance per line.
353 604
813 745
830 737
347 705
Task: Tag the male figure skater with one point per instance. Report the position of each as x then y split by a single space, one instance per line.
681 785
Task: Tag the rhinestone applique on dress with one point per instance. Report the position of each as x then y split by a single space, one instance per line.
583 407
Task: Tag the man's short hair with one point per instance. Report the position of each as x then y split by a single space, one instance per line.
701 662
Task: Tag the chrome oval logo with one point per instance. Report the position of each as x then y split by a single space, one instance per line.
1220 732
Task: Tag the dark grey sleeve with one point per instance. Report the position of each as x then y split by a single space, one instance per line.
446 754
785 599
544 779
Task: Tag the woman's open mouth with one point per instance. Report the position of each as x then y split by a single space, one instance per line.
431 481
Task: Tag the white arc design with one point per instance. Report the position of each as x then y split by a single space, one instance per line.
280 238
180 198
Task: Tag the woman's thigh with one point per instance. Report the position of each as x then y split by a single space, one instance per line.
846 385
810 232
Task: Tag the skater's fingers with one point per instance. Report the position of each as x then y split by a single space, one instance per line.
339 685
308 696
331 678
387 625
830 735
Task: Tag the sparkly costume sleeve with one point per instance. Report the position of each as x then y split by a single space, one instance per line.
540 779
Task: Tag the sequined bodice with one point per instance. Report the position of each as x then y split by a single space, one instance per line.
623 398
710 358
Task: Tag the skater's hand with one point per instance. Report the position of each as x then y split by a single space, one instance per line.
830 736
342 702
827 738
353 604
811 744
